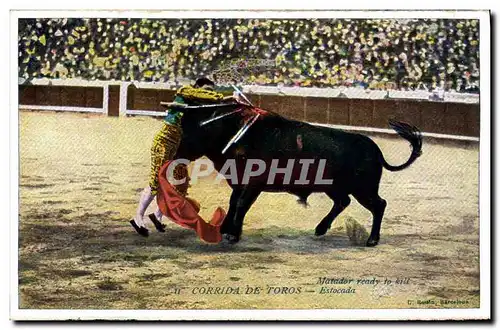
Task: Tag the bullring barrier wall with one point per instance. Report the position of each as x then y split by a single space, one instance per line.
458 115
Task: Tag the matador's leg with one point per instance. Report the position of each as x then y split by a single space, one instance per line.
167 142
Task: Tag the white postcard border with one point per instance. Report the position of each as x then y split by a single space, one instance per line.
483 312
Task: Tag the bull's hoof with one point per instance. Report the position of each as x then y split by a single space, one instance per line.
371 242
231 239
143 231
320 230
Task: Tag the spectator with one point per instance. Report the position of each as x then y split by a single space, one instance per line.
372 53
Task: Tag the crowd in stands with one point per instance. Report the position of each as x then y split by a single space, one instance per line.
403 54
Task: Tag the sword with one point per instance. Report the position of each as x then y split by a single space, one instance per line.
183 106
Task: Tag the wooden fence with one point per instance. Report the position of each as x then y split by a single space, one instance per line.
117 98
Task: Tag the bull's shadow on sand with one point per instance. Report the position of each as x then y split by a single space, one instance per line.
102 237
270 240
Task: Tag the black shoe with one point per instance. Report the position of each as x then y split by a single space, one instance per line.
159 226
143 231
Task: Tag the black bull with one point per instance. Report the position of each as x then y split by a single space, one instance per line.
353 161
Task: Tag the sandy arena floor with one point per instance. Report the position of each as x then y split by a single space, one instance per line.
80 177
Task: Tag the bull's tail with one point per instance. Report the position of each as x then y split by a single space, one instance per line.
414 136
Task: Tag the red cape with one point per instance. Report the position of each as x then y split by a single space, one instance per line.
184 211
